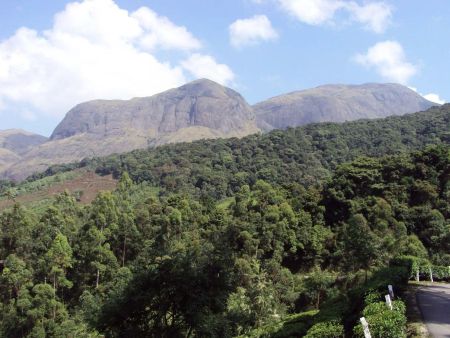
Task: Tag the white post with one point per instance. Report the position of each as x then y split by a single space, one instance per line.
417 276
365 326
391 291
388 301
431 275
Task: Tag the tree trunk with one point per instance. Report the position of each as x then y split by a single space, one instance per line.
54 295
97 280
188 333
124 249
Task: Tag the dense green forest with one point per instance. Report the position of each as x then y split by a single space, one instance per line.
293 233
305 155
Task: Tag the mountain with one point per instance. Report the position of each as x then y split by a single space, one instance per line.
201 109
14 143
198 110
338 103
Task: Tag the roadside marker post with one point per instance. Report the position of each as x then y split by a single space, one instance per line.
388 301
431 275
391 291
365 326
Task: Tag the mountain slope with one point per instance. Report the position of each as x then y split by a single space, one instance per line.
19 141
304 155
338 103
197 110
14 143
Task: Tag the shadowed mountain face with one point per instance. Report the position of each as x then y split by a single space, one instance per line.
198 110
338 103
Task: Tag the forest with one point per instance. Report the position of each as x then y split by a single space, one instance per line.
288 234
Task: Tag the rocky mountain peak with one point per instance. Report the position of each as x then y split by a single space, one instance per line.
338 103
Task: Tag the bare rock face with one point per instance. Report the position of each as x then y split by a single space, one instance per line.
202 103
198 110
338 103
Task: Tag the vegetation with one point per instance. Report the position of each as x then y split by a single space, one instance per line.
304 155
269 236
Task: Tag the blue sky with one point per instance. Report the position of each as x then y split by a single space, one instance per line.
55 54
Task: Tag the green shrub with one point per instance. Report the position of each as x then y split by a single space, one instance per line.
441 272
291 326
372 297
383 322
330 329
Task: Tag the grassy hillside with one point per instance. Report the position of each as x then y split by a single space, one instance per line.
83 184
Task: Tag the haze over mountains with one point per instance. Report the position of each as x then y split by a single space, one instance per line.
198 110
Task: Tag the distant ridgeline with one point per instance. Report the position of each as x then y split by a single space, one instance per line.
238 237
304 155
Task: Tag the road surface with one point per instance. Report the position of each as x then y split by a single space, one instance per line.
434 303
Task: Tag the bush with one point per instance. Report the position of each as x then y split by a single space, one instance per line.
422 266
372 297
295 325
441 272
383 322
330 329
412 263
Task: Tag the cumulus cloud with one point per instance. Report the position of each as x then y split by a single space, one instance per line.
94 49
434 98
389 60
161 32
374 16
244 32
205 66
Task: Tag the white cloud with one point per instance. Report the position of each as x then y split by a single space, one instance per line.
251 31
434 98
374 16
313 12
430 97
94 50
161 32
205 66
389 60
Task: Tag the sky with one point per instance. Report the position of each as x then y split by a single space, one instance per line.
55 54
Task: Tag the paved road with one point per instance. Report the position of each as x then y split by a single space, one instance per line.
434 303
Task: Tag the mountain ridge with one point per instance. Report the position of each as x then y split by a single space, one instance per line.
338 103
196 110
202 109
